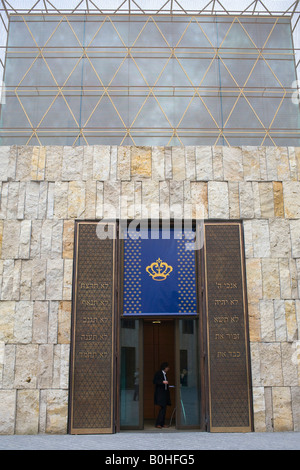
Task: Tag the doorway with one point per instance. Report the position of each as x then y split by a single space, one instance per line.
159 347
145 344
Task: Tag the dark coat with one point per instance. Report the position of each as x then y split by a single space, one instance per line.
162 393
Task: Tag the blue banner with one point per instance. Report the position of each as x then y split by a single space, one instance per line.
159 276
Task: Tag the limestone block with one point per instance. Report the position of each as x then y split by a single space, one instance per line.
111 198
168 163
23 322
260 238
23 170
123 166
64 322
233 164
164 199
101 162
39 272
72 162
271 160
88 160
295 237
76 199
11 278
90 200
113 162
280 321
26 280
1 236
271 281
291 320
218 202
7 321
138 199
190 161
254 280
40 322
32 200
27 416
296 407
9 367
291 193
297 157
255 364
54 279
38 162
53 322
267 320
178 163
4 162
285 279
26 367
56 239
54 156
246 200
68 239
266 200
289 364
61 200
282 409
204 163
158 163
57 411
283 164
293 163
251 162
4 187
150 199
99 199
218 172
7 411
127 200
68 277
50 201
248 240
278 199
271 364
13 199
141 162
25 238
176 199
254 322
234 200
259 409
11 239
199 200
45 366
280 241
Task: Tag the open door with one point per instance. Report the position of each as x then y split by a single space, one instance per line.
92 371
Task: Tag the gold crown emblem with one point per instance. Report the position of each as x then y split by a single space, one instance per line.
159 270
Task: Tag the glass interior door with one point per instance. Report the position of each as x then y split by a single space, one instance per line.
188 382
131 390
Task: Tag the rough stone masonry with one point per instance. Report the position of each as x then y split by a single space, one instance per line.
44 189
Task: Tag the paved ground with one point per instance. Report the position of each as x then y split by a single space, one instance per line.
155 441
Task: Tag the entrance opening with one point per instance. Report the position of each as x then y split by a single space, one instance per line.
159 347
145 344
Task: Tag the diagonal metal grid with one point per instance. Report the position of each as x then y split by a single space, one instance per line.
173 105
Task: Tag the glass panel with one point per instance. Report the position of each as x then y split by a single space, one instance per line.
130 356
148 69
189 373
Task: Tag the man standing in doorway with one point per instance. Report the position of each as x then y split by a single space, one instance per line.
161 394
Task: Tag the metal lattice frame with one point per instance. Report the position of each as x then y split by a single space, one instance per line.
133 7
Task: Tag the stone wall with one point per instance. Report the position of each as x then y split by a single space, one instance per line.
44 189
